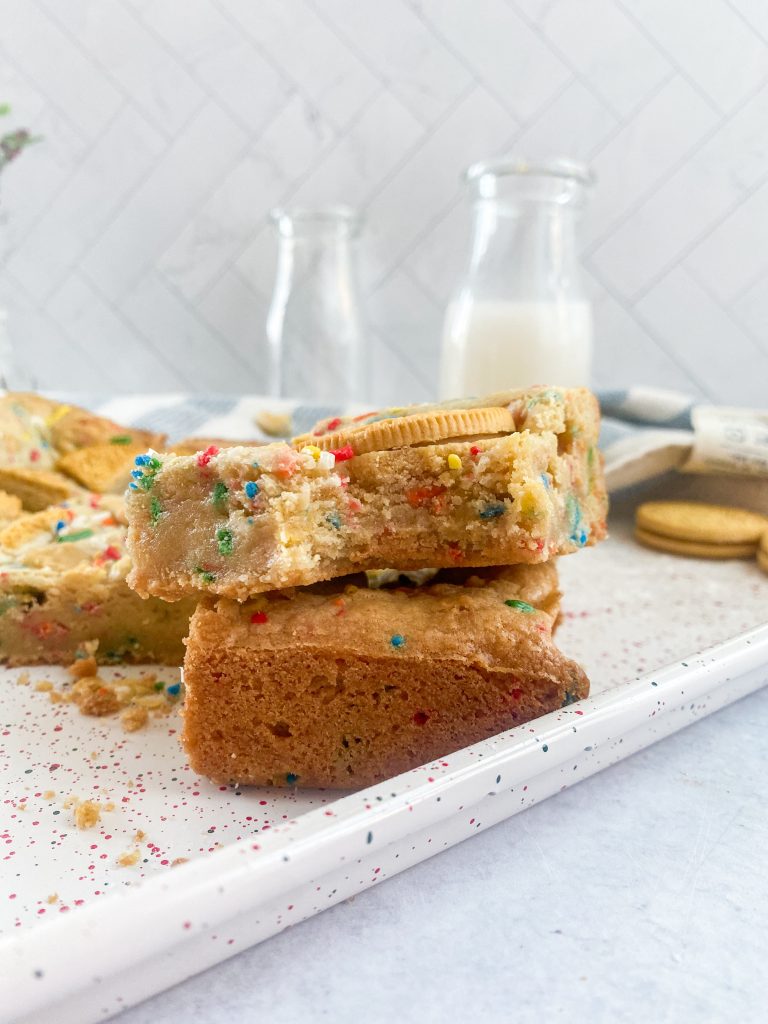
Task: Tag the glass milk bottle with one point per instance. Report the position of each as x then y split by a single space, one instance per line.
520 316
313 324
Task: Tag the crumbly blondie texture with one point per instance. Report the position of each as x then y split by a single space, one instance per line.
343 686
36 431
243 521
63 591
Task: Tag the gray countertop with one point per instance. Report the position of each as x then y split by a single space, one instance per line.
638 895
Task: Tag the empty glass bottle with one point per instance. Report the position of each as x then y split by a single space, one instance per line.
314 324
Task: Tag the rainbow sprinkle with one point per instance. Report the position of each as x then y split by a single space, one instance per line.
492 510
578 533
148 468
203 458
520 606
225 541
343 454
397 641
219 493
155 510
63 538
204 574
251 489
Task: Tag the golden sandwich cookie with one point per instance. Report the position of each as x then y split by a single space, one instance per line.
692 548
696 522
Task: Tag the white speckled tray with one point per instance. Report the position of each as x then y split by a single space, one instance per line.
262 860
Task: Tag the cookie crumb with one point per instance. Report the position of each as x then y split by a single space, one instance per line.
94 697
87 814
140 836
81 667
22 679
274 424
150 701
128 859
53 898
108 807
179 860
49 794
134 718
44 686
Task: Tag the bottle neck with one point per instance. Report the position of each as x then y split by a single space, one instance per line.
525 249
319 260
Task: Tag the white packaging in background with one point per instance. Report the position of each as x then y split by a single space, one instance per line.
728 440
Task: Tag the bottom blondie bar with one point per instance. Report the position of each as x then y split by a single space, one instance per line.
342 685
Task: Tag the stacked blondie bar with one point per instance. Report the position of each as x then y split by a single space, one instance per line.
377 593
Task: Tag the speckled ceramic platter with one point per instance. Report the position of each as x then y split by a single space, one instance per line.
220 868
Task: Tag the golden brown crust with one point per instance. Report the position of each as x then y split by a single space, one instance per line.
78 428
10 507
344 687
36 488
104 468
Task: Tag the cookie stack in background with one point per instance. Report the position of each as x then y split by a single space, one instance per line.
378 593
699 530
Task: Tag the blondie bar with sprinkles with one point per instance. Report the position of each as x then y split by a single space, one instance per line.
341 685
36 431
518 479
63 591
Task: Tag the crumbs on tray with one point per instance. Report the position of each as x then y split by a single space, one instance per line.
132 697
129 858
87 812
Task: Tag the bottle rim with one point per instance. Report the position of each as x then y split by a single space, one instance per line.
560 167
337 213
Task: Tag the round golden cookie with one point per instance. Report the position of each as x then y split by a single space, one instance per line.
693 549
418 428
695 521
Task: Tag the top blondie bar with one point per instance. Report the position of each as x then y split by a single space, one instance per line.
511 478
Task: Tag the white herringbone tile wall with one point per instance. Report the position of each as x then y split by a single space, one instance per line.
136 251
